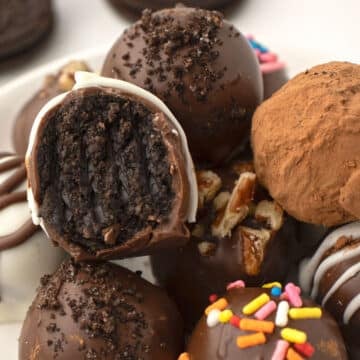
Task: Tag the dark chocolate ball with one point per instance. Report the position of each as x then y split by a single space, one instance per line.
139 5
220 341
259 247
23 24
110 173
202 67
100 311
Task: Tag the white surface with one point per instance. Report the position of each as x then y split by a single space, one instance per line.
304 32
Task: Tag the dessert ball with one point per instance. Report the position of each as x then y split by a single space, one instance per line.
23 24
25 253
202 67
306 144
53 85
240 233
273 70
100 311
139 5
252 323
110 173
332 278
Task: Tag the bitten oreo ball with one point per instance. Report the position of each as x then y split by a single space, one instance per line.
52 85
139 5
267 324
110 173
332 277
202 67
240 233
100 311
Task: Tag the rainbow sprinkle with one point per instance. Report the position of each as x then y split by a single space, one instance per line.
293 343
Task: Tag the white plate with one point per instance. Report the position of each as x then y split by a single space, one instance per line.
16 93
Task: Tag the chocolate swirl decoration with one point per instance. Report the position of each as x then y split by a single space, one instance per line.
12 176
332 275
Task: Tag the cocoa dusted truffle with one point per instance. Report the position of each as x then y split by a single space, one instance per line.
53 85
259 323
240 233
332 277
202 67
139 5
306 143
100 311
110 174
25 253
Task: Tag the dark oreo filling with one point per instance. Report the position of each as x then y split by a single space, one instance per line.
104 170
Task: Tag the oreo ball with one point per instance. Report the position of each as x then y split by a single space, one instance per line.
110 174
202 67
99 311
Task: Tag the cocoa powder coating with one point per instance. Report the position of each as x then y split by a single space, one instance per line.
306 142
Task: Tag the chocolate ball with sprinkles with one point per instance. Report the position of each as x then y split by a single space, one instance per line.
110 173
202 67
53 85
332 277
25 253
100 311
265 323
273 70
240 233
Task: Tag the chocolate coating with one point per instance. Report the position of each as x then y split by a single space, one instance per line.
208 263
219 342
100 311
203 69
53 85
332 277
107 173
139 5
22 24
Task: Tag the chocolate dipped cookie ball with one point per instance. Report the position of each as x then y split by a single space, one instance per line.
100 311
313 118
273 70
240 233
25 253
139 5
202 67
332 277
257 323
53 85
110 173
23 24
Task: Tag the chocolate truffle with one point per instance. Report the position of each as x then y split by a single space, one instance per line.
25 253
139 5
53 85
100 311
240 233
332 277
202 67
110 173
23 24
273 70
313 118
215 339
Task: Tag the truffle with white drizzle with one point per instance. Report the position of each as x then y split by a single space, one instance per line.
25 253
332 277
110 173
